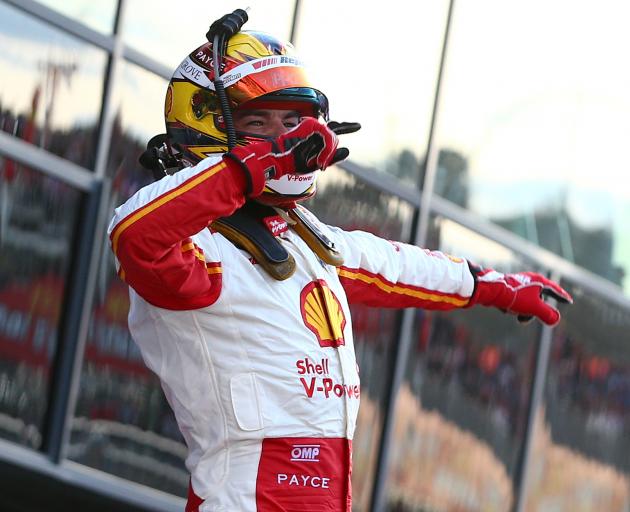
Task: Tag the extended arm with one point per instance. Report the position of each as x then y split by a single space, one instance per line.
381 273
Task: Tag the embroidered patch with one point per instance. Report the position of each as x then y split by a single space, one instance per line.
276 224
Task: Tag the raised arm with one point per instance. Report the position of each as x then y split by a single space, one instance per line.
151 233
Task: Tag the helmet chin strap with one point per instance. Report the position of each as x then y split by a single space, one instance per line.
219 34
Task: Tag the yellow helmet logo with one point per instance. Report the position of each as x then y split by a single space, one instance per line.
168 102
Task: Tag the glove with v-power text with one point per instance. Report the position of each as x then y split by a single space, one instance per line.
306 148
522 294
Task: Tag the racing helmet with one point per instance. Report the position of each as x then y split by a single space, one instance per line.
258 71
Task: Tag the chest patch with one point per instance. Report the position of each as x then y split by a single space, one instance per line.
276 224
322 313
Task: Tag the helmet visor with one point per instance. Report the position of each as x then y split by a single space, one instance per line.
258 77
305 100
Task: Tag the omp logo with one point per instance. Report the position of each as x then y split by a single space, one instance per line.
322 313
305 453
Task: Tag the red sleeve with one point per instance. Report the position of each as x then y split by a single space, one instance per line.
150 234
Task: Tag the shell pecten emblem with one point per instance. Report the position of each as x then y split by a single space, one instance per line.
322 313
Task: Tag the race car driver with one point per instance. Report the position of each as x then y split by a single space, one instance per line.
240 296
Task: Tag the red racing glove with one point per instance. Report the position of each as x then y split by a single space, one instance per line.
520 294
307 147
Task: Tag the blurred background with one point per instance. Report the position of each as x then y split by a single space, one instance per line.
493 130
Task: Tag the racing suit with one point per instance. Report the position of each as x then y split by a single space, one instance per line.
260 373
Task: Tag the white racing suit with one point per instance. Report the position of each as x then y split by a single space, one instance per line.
261 374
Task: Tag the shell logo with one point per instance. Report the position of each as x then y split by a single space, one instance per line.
322 313
168 102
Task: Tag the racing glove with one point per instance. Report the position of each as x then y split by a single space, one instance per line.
307 147
522 294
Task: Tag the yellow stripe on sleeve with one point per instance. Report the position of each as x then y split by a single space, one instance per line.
379 283
163 200
196 252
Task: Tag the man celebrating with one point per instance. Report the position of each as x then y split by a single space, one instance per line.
239 295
